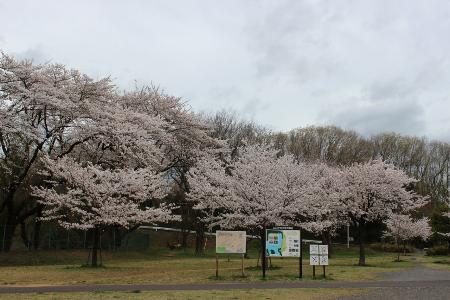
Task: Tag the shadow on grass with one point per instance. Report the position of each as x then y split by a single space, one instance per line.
444 262
258 268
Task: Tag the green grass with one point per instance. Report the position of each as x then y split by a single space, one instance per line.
160 266
436 262
225 294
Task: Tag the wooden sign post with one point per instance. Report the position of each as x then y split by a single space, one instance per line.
228 242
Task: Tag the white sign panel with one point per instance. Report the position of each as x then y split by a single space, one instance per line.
323 249
314 260
314 249
323 260
318 255
230 241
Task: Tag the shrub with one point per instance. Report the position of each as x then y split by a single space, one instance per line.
385 247
437 250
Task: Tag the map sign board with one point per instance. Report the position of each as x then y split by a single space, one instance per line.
230 242
282 242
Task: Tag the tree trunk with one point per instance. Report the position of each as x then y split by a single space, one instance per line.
37 233
448 241
246 247
95 242
9 231
199 241
326 238
24 235
184 237
362 252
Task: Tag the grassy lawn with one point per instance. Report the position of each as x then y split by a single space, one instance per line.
160 266
436 262
226 294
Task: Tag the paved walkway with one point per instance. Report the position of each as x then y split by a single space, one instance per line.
226 286
422 283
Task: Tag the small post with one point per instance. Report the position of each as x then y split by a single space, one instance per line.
217 266
314 272
264 252
324 272
300 263
242 265
348 235
114 238
4 237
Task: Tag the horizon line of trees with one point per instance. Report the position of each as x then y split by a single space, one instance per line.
77 152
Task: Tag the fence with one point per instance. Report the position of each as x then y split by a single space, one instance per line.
51 236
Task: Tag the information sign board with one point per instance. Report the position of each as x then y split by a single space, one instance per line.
281 243
230 242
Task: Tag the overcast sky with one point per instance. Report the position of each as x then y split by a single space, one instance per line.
370 66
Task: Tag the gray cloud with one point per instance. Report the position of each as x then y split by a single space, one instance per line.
370 65
374 117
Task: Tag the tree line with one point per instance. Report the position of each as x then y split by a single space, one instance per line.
79 152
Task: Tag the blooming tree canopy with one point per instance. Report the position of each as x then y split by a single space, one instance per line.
44 109
255 190
372 192
403 228
325 213
85 196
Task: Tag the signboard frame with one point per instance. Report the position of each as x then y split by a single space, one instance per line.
298 240
242 252
239 234
318 256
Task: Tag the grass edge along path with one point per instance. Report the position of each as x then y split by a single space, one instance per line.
146 267
248 294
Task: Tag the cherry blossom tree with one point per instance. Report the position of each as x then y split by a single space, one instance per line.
254 191
191 137
50 111
324 214
372 192
44 109
403 228
84 196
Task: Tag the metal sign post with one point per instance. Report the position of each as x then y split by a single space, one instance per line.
242 265
300 263
263 254
217 266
